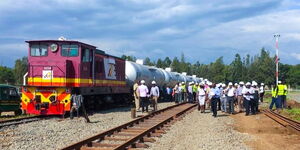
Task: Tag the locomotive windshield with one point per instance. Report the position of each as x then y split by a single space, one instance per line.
38 50
69 50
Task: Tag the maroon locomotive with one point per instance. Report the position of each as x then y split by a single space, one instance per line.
58 69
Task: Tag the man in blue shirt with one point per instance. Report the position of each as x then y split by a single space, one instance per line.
215 94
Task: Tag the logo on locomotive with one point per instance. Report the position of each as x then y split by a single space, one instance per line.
110 70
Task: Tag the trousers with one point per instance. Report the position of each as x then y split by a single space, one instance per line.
231 104
214 103
144 103
247 106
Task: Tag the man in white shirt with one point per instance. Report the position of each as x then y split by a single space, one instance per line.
230 97
143 91
223 98
154 94
247 92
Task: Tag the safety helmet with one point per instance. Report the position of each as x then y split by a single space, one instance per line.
153 82
142 81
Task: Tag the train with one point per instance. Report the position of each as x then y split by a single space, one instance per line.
9 99
61 69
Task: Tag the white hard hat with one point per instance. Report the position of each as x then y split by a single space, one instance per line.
230 83
182 83
248 83
205 79
153 82
279 82
262 84
223 85
236 84
254 83
242 83
142 81
209 83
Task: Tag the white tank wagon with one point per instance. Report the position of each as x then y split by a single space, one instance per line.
136 72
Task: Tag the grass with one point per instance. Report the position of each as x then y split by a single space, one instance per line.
293 113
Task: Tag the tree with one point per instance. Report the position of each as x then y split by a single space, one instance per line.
6 75
159 63
21 67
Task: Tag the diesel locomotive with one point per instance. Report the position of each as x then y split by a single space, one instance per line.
58 69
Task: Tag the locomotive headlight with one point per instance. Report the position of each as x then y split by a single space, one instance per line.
54 47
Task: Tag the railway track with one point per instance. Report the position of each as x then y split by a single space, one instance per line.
135 133
284 121
17 121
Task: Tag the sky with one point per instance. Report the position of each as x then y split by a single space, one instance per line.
202 30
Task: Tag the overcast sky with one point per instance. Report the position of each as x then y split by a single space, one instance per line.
202 29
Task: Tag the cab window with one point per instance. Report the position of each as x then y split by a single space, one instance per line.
69 50
87 55
38 50
13 92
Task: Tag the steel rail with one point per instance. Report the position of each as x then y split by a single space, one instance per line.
136 131
284 121
17 121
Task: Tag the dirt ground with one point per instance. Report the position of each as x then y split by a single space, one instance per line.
268 134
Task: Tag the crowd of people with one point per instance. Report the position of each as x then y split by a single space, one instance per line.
230 98
243 97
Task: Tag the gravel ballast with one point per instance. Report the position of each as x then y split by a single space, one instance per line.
202 131
57 133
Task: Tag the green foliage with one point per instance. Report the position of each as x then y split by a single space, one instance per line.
6 75
260 68
20 69
294 113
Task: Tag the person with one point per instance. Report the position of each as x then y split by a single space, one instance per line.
169 93
255 98
274 92
219 86
230 97
183 92
282 91
176 93
223 98
190 92
240 96
143 91
76 101
180 93
154 94
195 89
136 96
247 91
208 98
215 96
261 92
201 97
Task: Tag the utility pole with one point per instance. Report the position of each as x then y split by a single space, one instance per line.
277 57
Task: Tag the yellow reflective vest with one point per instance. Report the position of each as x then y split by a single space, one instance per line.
274 92
285 90
280 89
183 89
195 88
